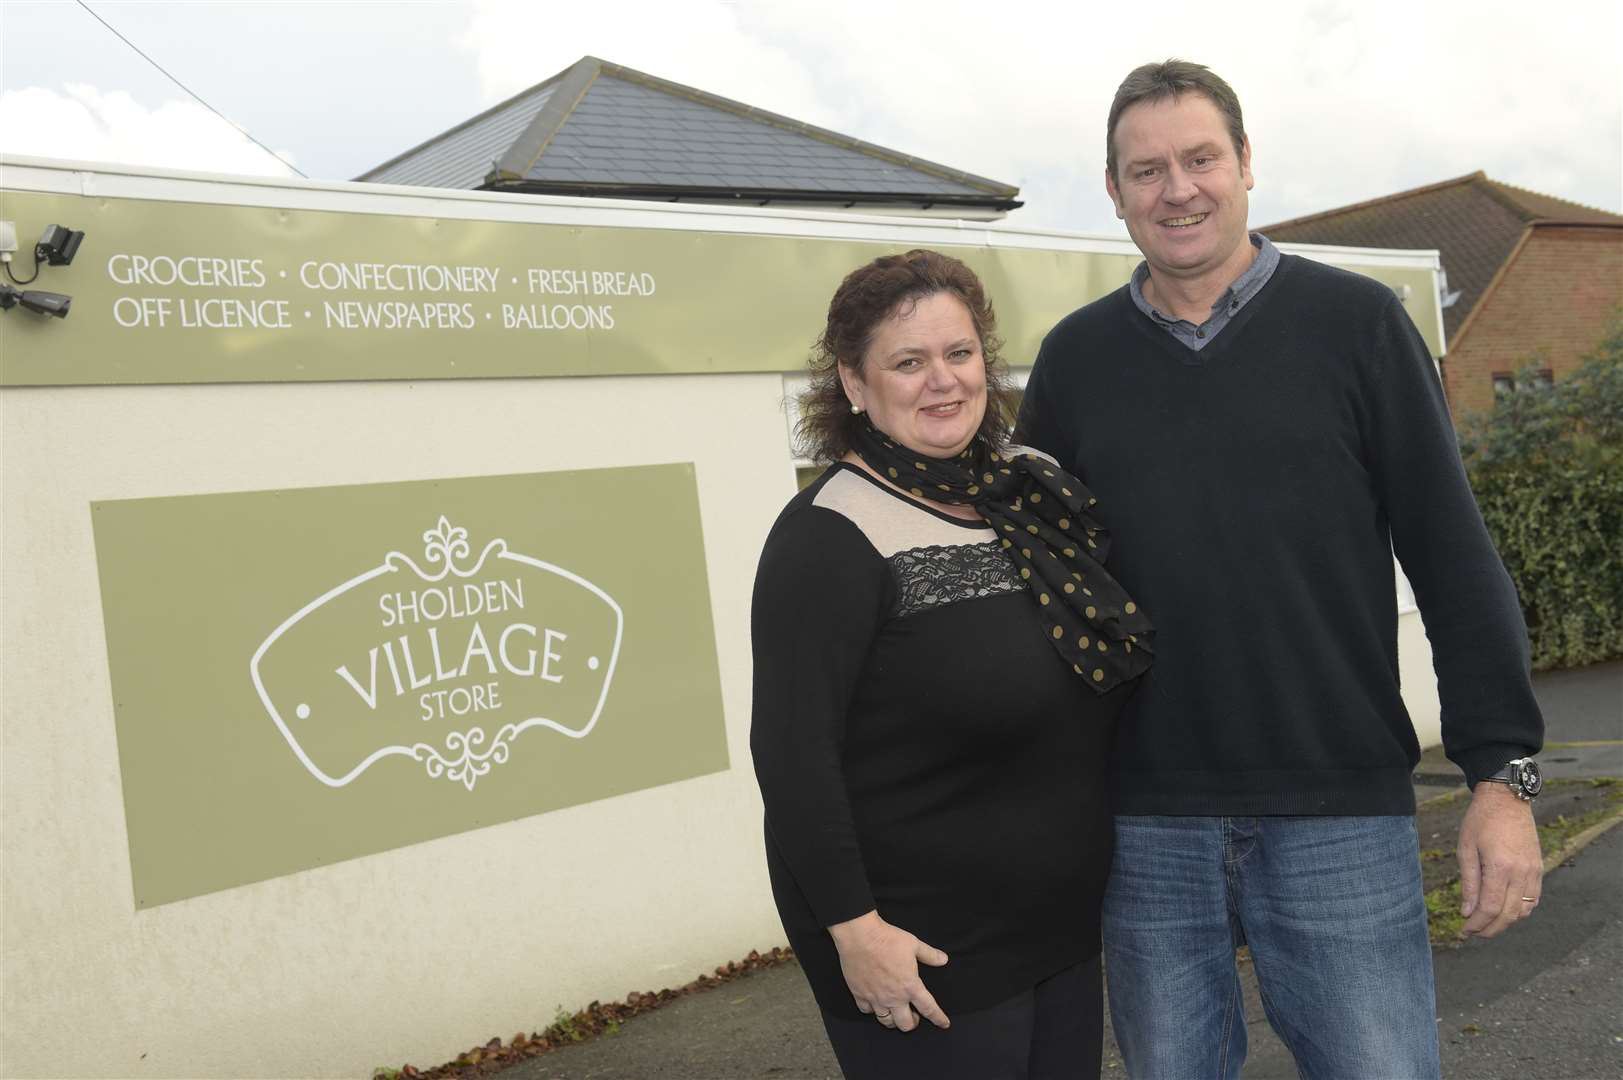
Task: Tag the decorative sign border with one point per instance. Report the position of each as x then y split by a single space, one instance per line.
446 545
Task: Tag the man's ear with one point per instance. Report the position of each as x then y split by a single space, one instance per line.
1115 195
1245 164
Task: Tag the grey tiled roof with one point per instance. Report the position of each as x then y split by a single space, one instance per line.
598 128
464 156
627 132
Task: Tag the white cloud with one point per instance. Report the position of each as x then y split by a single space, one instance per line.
1345 99
84 123
698 43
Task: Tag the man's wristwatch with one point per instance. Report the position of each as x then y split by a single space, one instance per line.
1521 776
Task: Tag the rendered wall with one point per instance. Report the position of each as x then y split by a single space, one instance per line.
410 954
1418 679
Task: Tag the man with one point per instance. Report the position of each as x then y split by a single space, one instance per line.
1262 432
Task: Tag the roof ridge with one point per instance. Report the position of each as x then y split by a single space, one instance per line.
1367 203
448 132
1510 196
945 172
572 84
1514 191
847 196
1498 194
1576 223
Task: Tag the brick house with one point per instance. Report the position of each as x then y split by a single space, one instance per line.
1529 277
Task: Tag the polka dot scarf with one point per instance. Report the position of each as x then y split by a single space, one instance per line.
1043 517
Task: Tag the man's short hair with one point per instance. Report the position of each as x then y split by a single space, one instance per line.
1172 79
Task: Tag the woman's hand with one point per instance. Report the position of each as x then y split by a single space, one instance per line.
881 966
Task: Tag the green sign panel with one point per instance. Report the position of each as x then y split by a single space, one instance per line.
175 292
311 675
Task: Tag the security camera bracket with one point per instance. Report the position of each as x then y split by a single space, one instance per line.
58 245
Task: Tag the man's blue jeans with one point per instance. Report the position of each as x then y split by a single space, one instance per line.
1333 912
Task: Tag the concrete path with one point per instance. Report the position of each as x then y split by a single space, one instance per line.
1542 1002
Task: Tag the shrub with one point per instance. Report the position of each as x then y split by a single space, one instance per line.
1546 465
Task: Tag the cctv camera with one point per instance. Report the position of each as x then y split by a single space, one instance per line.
44 303
59 244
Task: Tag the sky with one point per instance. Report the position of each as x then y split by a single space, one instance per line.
1344 100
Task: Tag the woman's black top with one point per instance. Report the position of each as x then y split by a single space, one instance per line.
921 749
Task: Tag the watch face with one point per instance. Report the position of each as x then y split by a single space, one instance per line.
1531 782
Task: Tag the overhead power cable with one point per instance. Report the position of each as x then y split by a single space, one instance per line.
240 129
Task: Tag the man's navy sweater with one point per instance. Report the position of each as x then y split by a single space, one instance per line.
1256 491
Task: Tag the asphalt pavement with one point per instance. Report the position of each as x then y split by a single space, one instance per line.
1542 1002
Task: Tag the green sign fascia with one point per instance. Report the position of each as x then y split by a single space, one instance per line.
306 676
197 292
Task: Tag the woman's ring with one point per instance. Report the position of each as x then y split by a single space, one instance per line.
881 1015
1529 899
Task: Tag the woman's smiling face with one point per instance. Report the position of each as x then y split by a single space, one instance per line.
923 377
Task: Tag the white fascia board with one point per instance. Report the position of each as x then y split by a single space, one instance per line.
1442 327
139 182
20 173
92 179
1417 258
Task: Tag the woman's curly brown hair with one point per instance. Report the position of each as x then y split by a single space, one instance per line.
869 295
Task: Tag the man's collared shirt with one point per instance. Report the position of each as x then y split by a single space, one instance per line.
1227 306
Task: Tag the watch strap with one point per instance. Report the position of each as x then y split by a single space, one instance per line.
1511 775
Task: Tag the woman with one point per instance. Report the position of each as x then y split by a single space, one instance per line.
939 661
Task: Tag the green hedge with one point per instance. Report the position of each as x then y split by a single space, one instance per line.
1546 465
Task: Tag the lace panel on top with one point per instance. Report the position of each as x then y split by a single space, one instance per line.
929 577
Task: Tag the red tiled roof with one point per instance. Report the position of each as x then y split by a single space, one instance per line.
1473 221
1548 208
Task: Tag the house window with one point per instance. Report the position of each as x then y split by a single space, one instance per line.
1504 383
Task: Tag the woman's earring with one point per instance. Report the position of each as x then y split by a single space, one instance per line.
856 410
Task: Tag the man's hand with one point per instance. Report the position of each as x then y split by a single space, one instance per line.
881 967
1500 862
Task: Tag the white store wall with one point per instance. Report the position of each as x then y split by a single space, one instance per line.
412 954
